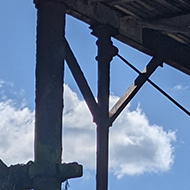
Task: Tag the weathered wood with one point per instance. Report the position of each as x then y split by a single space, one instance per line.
134 88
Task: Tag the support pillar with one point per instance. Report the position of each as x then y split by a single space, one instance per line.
49 93
106 51
46 172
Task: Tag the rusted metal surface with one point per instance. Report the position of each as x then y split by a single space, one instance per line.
106 51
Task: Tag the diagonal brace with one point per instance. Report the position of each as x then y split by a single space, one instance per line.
134 88
81 81
157 87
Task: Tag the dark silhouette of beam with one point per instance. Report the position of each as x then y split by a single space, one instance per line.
81 81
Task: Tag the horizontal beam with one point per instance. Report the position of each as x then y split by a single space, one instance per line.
180 20
167 28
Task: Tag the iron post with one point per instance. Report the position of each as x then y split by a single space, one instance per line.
47 171
106 51
49 93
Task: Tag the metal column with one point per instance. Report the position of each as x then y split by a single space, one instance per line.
49 93
47 171
106 51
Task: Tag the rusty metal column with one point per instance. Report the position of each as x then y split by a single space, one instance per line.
49 93
106 51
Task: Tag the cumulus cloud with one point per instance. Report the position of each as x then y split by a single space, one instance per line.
79 131
16 133
135 145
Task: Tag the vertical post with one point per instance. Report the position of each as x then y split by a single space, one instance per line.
49 93
106 51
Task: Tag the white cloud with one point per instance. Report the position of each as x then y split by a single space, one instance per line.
135 145
180 87
16 133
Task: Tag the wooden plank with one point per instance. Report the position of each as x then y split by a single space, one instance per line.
134 88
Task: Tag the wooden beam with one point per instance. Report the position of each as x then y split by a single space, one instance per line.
181 20
179 53
134 88
177 24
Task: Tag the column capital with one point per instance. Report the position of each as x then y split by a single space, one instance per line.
106 50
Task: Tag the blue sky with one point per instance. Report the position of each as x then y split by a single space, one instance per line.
149 142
